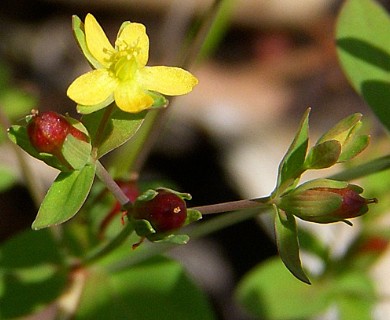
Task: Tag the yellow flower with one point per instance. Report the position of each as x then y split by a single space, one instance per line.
121 73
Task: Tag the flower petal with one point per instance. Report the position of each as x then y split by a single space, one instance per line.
97 41
92 88
131 98
134 35
167 80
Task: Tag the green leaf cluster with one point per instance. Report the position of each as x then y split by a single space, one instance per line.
35 270
270 292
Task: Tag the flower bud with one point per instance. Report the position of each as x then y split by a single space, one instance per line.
325 201
166 211
47 132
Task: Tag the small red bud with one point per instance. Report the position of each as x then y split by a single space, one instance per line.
165 212
48 130
353 205
325 204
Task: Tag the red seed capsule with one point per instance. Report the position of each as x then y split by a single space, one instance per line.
165 212
47 132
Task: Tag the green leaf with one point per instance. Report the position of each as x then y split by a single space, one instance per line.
65 197
120 128
353 147
76 152
287 242
323 155
96 107
159 101
269 291
142 227
320 183
156 289
147 195
346 133
31 275
78 31
363 47
192 216
171 238
291 166
342 130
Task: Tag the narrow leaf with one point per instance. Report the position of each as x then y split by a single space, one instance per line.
65 197
354 147
291 166
341 130
287 242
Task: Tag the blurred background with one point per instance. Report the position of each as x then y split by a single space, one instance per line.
270 61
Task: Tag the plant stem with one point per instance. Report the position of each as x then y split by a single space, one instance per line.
101 128
233 205
110 183
199 230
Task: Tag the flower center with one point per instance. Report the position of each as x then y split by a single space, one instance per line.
123 62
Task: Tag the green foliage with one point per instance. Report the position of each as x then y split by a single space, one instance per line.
120 127
156 289
323 155
269 291
76 152
31 273
363 46
291 166
346 133
65 197
287 241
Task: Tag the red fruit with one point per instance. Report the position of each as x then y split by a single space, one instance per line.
165 212
47 132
